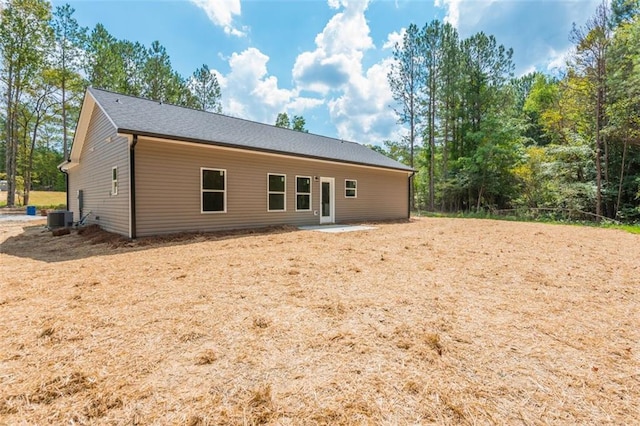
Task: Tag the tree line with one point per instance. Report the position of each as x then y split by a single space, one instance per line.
483 140
47 60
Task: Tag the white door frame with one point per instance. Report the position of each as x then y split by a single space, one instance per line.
332 200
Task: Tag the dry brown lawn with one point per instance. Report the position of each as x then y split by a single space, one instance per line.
446 321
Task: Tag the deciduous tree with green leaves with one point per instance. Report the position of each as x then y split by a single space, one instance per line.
25 40
282 120
623 106
590 61
297 123
35 110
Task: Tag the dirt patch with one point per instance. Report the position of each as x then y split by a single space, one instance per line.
433 321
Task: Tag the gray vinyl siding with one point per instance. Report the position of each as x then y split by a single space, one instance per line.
93 176
168 195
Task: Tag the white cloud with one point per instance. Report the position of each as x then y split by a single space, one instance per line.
527 71
221 13
339 50
248 91
299 104
453 10
362 113
558 59
394 38
358 99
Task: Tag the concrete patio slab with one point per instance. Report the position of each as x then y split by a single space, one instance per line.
20 218
336 228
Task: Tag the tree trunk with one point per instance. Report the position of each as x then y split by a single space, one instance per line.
412 189
432 148
624 154
29 169
445 150
598 180
599 110
603 139
11 189
65 143
11 151
480 192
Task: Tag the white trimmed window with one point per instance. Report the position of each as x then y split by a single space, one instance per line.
213 188
350 188
276 192
114 180
303 193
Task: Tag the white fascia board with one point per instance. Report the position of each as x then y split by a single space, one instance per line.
83 126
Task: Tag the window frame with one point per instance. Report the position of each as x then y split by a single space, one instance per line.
114 182
354 189
269 192
305 193
202 191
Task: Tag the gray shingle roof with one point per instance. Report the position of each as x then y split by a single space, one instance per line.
151 118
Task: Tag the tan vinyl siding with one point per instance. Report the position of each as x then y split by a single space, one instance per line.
168 189
93 176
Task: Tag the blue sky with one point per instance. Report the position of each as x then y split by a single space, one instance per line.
325 59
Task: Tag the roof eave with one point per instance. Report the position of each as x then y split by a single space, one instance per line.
86 111
67 165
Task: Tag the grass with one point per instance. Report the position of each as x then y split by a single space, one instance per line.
40 199
631 228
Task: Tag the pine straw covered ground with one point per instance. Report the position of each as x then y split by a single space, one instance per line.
434 321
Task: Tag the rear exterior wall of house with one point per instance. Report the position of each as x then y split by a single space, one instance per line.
168 179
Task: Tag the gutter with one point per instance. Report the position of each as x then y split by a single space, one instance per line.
132 187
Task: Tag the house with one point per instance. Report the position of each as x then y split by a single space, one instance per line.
139 167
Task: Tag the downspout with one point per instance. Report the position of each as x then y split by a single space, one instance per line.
132 185
413 173
66 184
